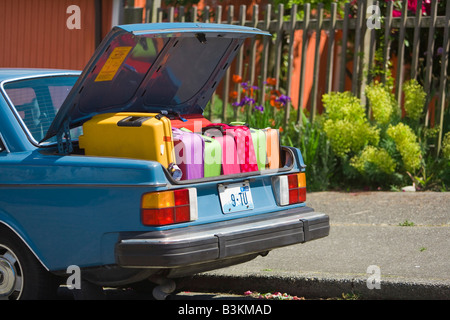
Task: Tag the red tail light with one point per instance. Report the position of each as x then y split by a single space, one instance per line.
169 207
290 189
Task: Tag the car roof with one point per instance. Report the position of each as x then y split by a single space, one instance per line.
16 73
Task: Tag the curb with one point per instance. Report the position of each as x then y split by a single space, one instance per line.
321 287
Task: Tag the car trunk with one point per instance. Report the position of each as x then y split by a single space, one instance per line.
143 74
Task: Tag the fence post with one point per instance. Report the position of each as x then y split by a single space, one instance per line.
356 53
306 19
416 44
401 51
429 59
291 31
343 69
368 53
265 53
226 86
330 54
278 44
152 7
444 75
387 40
316 62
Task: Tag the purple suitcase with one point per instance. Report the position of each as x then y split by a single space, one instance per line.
188 148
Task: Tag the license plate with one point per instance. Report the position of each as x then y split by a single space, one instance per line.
235 197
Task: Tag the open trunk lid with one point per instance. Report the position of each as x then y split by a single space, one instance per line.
152 67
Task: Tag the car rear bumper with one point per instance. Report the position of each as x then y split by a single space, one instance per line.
220 240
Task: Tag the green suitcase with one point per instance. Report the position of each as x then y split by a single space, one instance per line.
212 157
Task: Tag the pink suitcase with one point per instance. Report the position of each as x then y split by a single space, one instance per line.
244 145
188 148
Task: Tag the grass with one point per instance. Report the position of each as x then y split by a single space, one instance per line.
406 223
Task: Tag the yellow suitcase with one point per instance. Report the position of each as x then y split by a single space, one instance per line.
146 136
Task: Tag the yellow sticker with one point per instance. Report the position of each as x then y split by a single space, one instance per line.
113 64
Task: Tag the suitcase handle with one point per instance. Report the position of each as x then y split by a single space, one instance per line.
205 129
132 121
175 113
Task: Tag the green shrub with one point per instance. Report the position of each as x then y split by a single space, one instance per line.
346 125
372 159
446 146
381 101
415 98
407 145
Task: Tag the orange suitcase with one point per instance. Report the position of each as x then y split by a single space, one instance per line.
272 148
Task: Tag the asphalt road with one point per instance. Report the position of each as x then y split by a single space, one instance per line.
399 241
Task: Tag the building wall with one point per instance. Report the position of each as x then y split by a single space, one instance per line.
34 33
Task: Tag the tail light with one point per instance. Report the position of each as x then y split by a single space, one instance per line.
169 207
290 189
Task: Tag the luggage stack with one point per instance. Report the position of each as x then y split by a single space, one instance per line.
188 146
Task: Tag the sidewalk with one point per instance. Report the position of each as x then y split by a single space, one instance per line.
413 261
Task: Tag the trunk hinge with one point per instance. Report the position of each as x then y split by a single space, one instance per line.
64 139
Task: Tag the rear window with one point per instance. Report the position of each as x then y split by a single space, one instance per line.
38 100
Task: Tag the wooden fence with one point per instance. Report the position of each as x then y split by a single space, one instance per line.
267 57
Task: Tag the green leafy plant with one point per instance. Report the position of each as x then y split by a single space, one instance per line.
382 102
407 145
346 124
415 98
406 223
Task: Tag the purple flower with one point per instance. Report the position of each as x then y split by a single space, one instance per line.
260 108
244 85
244 101
283 99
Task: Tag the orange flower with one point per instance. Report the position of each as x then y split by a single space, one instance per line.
274 102
272 122
275 92
237 78
271 81
280 129
233 94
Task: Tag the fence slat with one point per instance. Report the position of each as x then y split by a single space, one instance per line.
240 55
218 14
265 54
278 44
291 32
343 69
401 52
330 53
443 77
356 51
416 43
306 20
387 40
429 59
226 85
318 31
252 64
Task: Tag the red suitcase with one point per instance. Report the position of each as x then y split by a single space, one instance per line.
192 122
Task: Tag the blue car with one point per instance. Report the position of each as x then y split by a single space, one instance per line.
62 210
